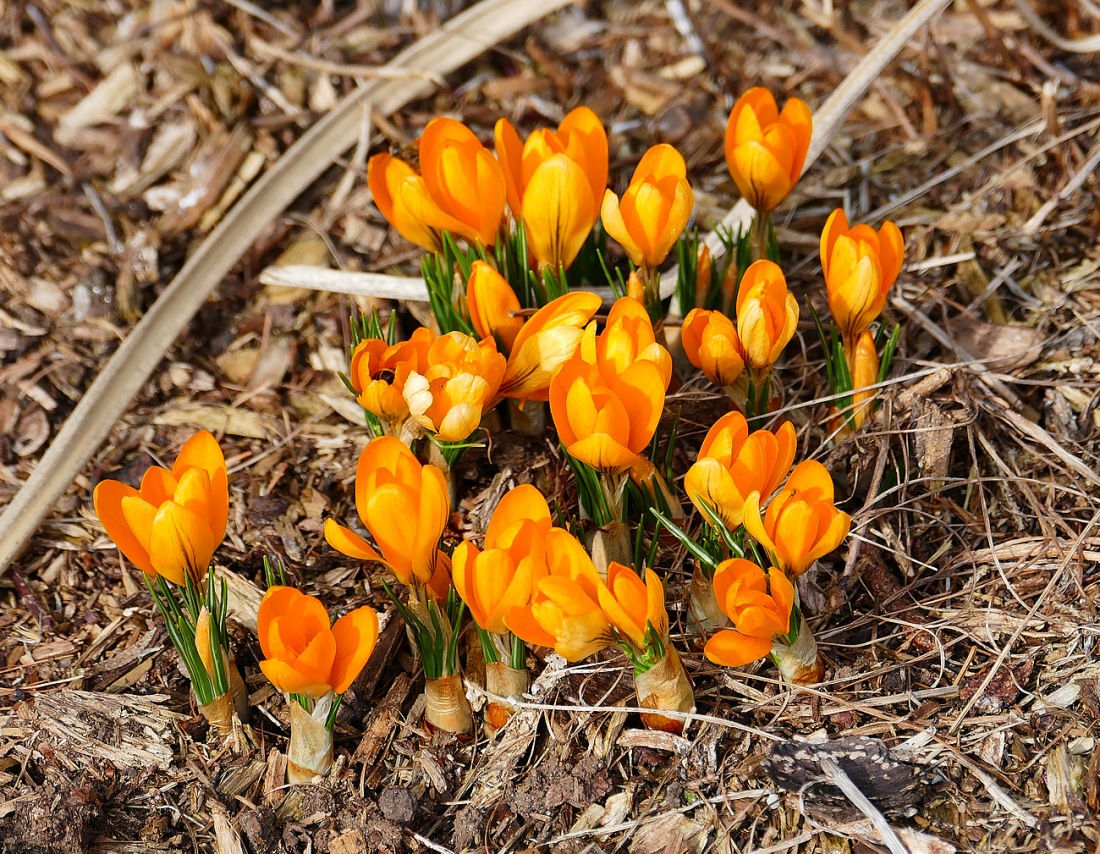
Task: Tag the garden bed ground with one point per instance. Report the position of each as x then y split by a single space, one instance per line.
958 623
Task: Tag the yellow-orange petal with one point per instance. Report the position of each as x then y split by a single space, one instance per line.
180 542
288 677
730 648
522 503
107 500
559 211
347 542
356 634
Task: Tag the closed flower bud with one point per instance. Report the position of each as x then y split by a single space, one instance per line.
654 210
767 314
860 266
766 148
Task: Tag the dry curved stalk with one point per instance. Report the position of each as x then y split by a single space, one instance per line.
457 42
1088 44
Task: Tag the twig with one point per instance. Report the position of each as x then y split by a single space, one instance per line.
835 775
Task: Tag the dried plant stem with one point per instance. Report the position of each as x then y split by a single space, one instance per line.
447 707
800 663
507 682
665 686
702 605
310 751
458 41
219 713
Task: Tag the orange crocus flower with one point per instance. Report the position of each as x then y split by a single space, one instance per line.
494 306
860 266
627 338
461 189
580 137
459 384
174 523
732 465
545 341
379 371
766 148
464 178
767 314
759 605
802 523
405 507
711 344
560 212
303 654
502 577
654 210
633 606
606 423
564 612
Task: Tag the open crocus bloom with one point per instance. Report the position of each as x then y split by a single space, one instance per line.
802 523
502 577
405 507
459 384
633 606
860 266
379 371
494 306
549 338
766 148
627 338
174 523
767 314
758 604
564 612
606 423
733 464
711 344
654 210
302 653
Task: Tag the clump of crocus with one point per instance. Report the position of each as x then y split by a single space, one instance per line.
555 181
313 662
860 266
170 529
762 607
459 383
765 151
502 576
404 505
378 373
651 215
732 464
574 611
460 188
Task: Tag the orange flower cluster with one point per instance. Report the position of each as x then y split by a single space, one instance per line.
767 315
172 525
